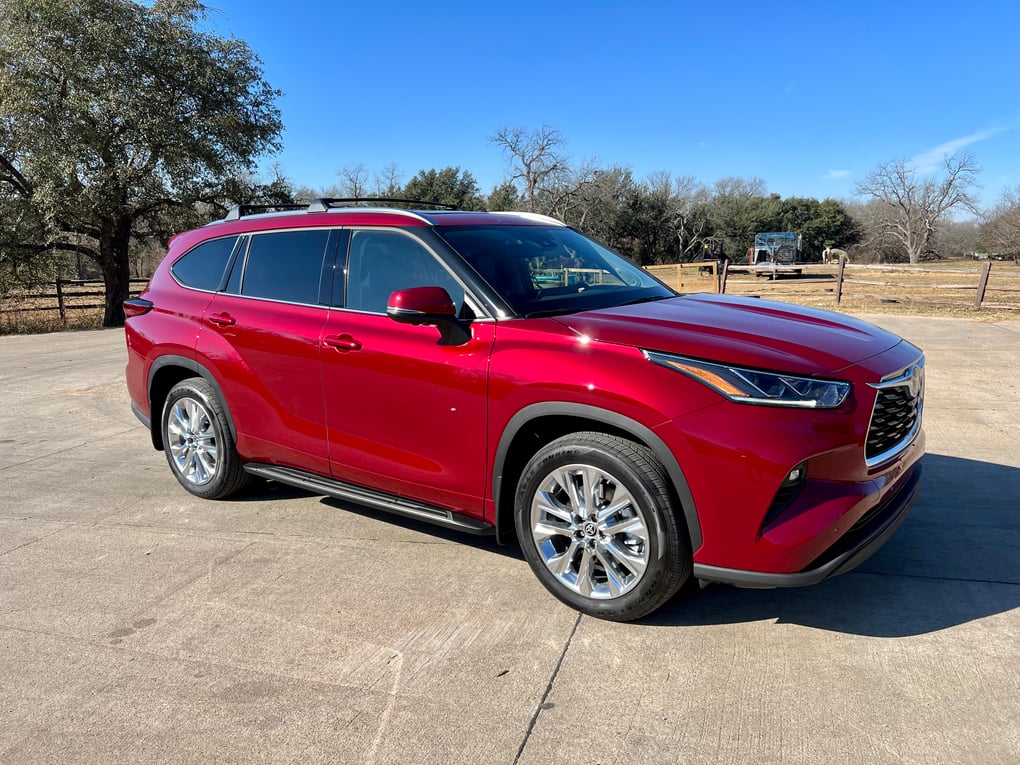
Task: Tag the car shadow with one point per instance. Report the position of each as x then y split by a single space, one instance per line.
482 542
954 561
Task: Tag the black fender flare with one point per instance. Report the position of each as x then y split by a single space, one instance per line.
615 420
200 371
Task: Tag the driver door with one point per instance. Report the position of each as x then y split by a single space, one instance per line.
405 413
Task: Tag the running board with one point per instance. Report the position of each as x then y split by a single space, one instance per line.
318 484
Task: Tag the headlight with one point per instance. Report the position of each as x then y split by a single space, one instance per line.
751 386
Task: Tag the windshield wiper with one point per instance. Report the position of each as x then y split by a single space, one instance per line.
550 312
645 300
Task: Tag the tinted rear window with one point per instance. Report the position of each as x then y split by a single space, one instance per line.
202 267
286 265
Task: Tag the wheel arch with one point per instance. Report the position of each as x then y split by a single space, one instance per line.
164 374
538 424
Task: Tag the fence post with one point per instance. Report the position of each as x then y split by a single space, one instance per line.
982 284
839 280
60 302
721 277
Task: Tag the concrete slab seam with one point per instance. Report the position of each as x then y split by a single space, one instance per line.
548 690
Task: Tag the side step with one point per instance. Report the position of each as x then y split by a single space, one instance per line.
318 484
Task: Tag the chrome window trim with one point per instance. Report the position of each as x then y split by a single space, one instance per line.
274 300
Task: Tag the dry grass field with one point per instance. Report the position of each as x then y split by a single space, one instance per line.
947 288
943 289
938 289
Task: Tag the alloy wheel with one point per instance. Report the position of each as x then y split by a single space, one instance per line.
590 531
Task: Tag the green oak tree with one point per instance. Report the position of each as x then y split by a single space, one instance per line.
449 186
116 116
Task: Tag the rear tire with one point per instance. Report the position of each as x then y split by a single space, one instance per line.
598 523
198 443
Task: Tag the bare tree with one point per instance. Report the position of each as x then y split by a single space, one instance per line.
910 206
565 193
1001 232
689 201
354 180
387 181
533 157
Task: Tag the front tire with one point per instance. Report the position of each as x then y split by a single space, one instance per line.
198 443
598 523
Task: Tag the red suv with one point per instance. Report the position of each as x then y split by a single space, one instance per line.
501 372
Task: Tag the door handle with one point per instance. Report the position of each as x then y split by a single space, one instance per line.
342 343
222 320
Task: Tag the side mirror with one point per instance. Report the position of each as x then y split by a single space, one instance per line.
421 305
429 305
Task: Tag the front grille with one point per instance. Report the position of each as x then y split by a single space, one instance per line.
896 415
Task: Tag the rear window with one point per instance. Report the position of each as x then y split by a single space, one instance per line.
202 267
285 266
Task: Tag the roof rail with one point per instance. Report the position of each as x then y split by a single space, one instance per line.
537 217
239 211
325 203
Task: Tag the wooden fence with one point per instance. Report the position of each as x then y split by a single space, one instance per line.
689 277
66 296
985 286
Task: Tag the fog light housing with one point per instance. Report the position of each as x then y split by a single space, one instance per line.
788 491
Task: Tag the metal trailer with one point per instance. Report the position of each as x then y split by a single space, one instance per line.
776 248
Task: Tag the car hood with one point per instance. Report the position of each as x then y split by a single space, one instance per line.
741 331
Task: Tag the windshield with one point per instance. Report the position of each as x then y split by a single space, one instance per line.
544 271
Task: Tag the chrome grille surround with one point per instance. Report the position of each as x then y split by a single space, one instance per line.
896 416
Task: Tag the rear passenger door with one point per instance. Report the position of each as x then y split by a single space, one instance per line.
260 338
405 413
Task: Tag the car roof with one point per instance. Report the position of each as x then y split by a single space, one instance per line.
353 209
245 219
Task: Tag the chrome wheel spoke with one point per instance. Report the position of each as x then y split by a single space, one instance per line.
549 505
547 529
567 482
615 509
207 462
562 564
590 483
585 583
635 563
613 582
634 526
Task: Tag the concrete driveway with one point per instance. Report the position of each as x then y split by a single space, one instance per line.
140 624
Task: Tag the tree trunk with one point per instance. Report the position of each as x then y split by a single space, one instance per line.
114 243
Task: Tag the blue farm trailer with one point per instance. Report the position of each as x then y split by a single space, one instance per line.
782 248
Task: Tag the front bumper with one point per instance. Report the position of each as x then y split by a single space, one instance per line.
852 549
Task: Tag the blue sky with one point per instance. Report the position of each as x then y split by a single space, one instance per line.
809 96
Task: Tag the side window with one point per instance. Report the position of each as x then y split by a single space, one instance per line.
202 267
285 265
382 262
